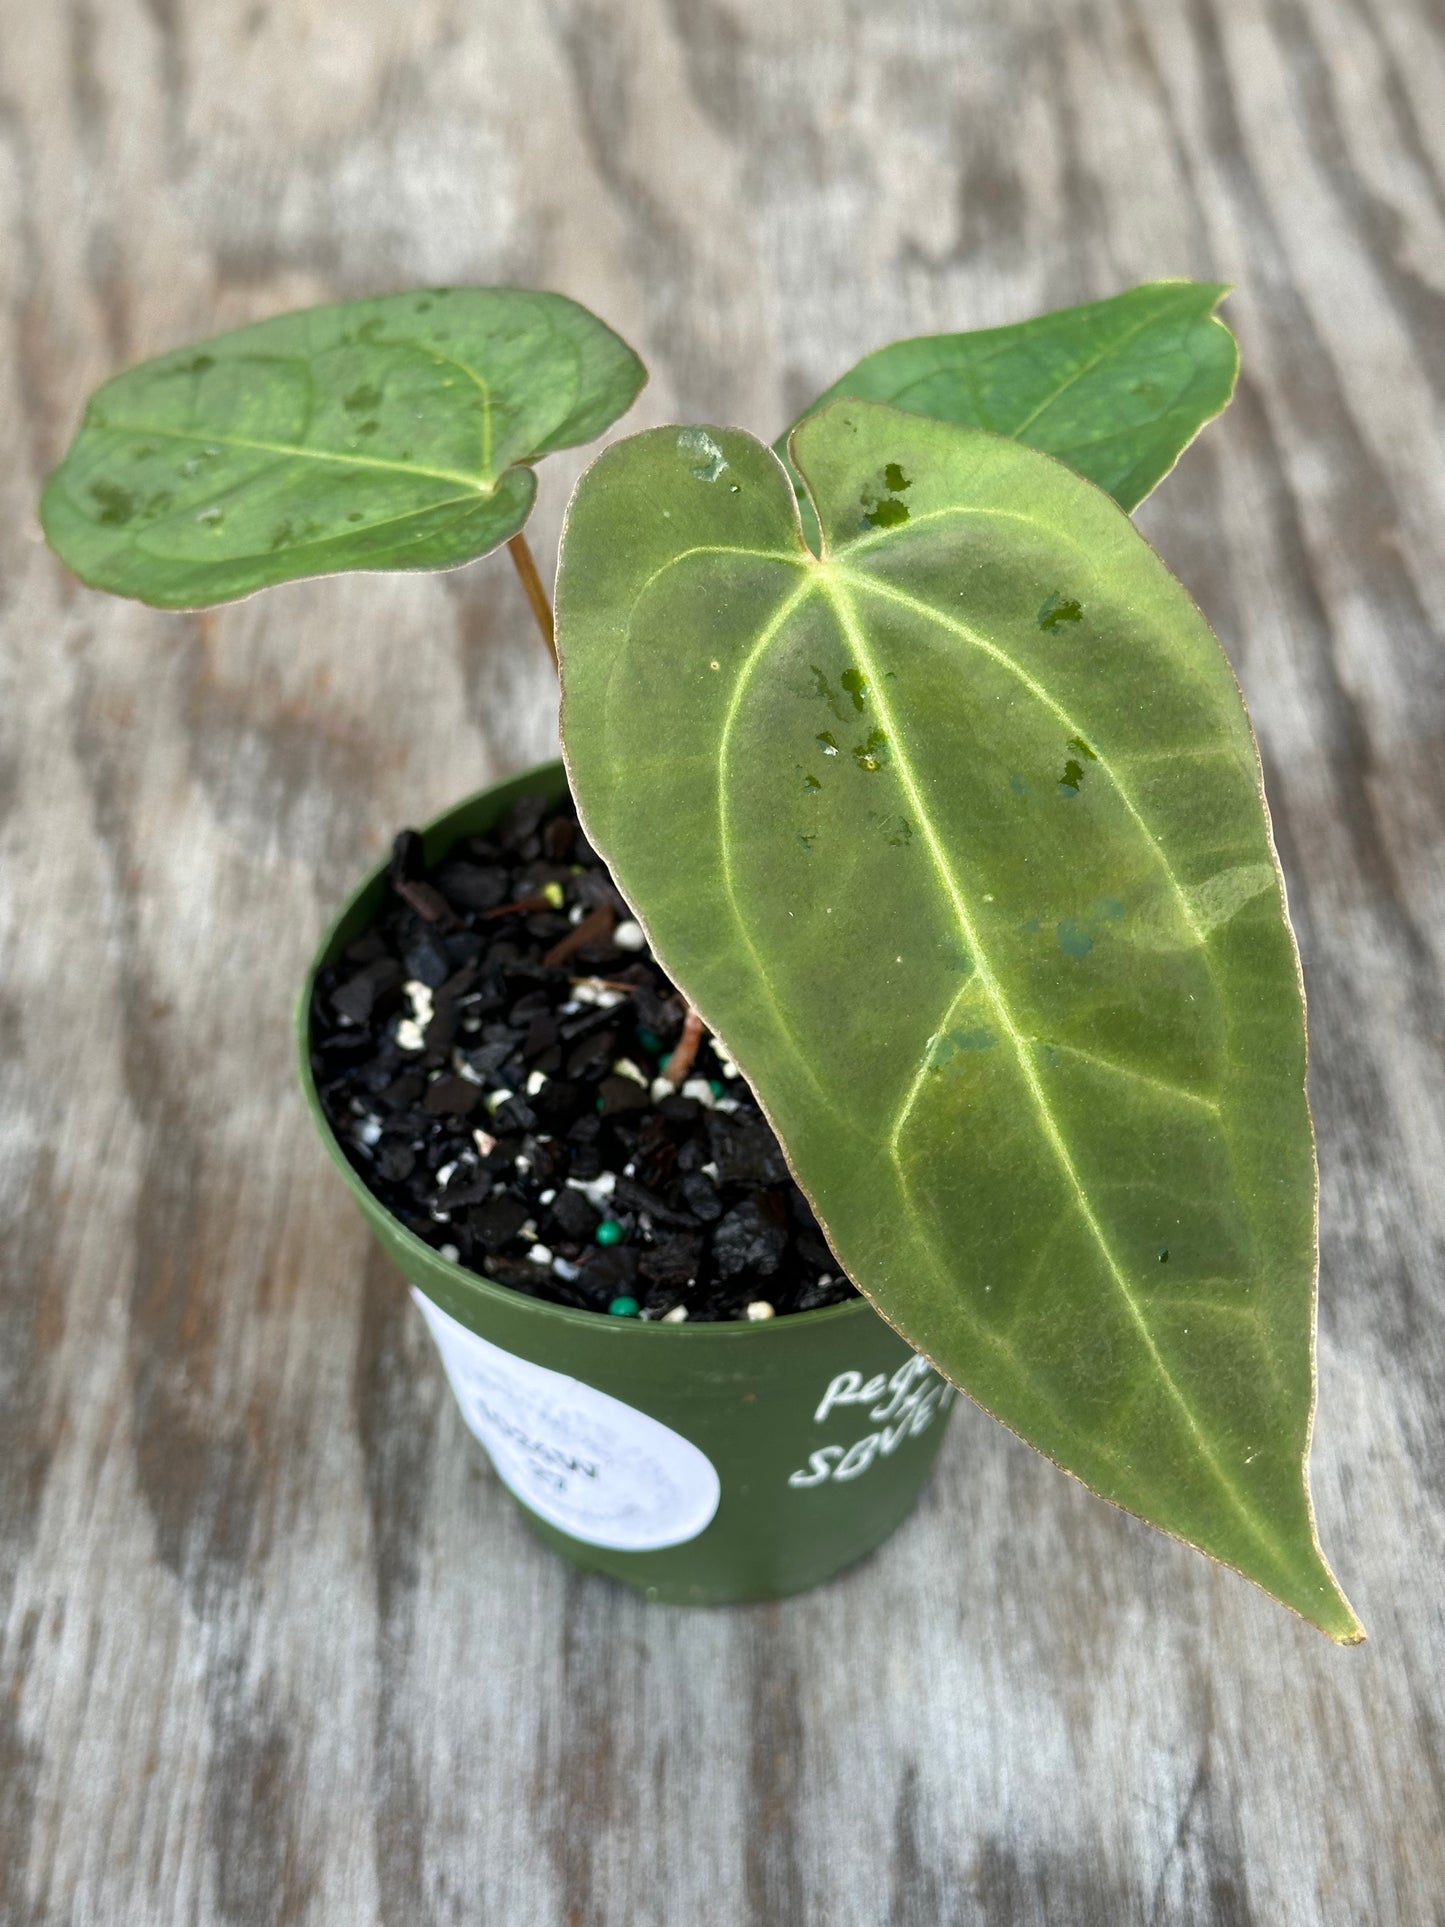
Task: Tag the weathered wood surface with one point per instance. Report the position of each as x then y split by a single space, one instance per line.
275 1647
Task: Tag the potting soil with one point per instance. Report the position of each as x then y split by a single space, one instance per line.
491 1056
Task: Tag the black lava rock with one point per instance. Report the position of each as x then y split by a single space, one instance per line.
700 1205
748 1238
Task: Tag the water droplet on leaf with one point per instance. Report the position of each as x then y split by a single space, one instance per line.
872 753
707 459
117 505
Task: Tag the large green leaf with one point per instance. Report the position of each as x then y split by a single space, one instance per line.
1117 389
385 434
957 837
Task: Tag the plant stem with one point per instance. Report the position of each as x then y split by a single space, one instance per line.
541 608
681 1060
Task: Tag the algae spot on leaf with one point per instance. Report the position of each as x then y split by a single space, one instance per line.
884 510
362 399
824 688
1059 609
811 782
886 514
852 681
827 742
1073 775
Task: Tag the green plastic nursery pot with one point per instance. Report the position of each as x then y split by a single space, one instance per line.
700 1463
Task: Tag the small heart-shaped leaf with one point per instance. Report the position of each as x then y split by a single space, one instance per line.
388 434
1117 389
956 834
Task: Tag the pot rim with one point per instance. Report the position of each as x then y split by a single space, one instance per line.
740 1329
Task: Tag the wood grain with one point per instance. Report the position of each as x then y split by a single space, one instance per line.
273 1646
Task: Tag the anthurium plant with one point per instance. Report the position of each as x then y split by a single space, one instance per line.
930 785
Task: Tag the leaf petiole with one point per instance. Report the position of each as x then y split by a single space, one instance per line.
521 554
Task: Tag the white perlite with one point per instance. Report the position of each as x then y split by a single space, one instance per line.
596 1190
587 990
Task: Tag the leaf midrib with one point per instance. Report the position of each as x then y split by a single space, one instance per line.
1088 367
815 579
831 580
838 595
475 484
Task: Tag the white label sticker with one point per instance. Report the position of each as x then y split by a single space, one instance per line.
591 1466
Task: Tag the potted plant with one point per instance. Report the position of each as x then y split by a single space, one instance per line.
933 796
